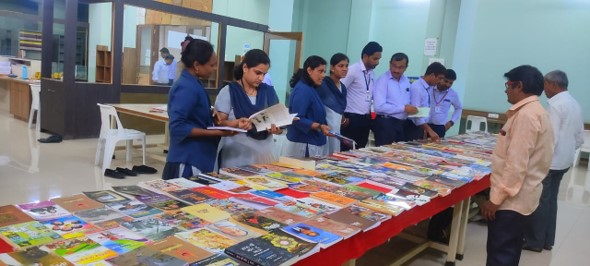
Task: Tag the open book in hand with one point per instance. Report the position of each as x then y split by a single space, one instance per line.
344 140
229 129
277 114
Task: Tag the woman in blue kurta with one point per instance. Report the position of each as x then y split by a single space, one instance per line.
193 147
307 135
242 98
333 95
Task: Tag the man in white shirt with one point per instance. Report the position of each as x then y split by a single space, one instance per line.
568 128
160 77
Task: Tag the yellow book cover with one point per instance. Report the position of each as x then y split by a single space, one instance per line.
206 212
333 198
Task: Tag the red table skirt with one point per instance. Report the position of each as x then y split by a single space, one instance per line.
355 246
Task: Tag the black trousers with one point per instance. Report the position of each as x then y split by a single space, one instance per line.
413 132
439 129
437 225
388 130
358 129
505 238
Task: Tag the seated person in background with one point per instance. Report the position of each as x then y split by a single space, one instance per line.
443 97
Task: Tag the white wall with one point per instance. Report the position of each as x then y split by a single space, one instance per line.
99 33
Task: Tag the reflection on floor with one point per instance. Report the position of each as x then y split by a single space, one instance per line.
31 171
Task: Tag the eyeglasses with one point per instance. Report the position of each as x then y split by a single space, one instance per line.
509 83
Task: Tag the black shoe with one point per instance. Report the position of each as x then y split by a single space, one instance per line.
525 247
144 169
126 171
114 174
548 247
51 139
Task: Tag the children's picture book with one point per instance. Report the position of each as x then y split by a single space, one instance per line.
219 259
189 196
232 230
10 215
119 239
206 239
105 196
41 211
256 220
99 214
151 227
312 234
81 250
28 234
71 227
181 220
338 228
34 256
134 208
145 256
77 203
206 212
179 249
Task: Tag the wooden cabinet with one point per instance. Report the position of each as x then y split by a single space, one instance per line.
20 99
103 66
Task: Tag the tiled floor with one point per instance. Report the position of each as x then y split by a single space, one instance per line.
32 171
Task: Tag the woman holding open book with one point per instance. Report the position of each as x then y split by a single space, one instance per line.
307 135
241 99
333 95
193 147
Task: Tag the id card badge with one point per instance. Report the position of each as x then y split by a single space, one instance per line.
437 110
368 96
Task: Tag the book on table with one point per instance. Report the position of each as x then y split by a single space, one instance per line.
77 203
33 256
40 211
28 234
207 239
312 234
179 249
10 215
134 208
105 196
81 250
218 259
305 163
206 212
146 256
342 229
119 239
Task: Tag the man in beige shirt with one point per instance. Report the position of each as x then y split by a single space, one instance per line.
520 161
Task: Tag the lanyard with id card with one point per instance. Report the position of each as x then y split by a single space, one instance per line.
437 107
368 95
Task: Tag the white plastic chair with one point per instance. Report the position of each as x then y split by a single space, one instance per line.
35 106
110 136
473 123
584 148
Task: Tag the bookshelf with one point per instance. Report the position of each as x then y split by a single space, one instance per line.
103 64
29 43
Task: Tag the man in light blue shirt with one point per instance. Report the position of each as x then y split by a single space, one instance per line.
420 97
391 96
441 100
359 83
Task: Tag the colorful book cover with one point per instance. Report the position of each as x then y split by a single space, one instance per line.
304 187
77 203
281 215
367 213
162 202
213 192
441 189
255 169
390 181
236 172
217 176
333 198
346 217
454 183
253 201
284 177
145 256
419 190
353 194
203 180
256 220
273 167
119 240
99 214
179 249
324 185
189 196
135 209
275 196
71 227
395 200
5 247
375 186
249 184
43 210
299 209
160 185
294 193
206 239
342 178
312 234
232 230
152 228
81 250
35 256
219 259
265 182
232 187
380 206
305 173
305 163
338 228
184 183
322 206
10 215
411 196
206 212
105 196
181 220
28 234
133 190
230 206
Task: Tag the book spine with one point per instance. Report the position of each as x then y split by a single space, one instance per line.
241 258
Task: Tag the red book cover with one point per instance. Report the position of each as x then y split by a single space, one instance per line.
213 192
293 193
374 187
5 247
